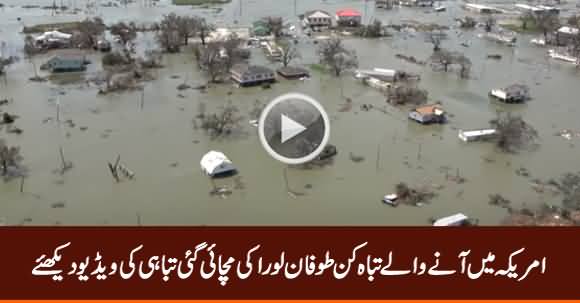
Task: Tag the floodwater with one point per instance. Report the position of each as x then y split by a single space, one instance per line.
160 145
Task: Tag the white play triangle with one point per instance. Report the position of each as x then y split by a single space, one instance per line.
290 128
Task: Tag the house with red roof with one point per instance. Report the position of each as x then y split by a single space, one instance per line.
348 17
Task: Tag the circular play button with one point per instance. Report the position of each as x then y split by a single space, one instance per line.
294 128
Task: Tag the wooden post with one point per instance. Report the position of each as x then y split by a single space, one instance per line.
419 153
142 98
113 171
378 164
22 184
138 219
63 162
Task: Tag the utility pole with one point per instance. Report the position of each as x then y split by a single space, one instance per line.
365 18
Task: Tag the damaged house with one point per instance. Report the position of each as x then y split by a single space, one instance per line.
428 114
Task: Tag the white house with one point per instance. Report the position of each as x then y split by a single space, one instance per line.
215 163
317 19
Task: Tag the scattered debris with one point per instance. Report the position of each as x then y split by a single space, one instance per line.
523 172
500 201
59 204
494 56
183 86
354 158
410 59
391 200
568 134
411 196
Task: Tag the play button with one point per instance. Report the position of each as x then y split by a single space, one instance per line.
294 128
290 128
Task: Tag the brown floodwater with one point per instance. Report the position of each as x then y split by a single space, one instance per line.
160 145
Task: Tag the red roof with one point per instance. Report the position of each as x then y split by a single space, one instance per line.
348 13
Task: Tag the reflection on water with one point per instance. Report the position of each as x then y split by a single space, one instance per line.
158 142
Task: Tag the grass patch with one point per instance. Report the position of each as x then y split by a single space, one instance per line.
65 27
200 2
318 67
517 26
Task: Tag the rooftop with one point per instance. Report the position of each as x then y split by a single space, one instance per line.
317 14
293 71
430 109
349 12
253 69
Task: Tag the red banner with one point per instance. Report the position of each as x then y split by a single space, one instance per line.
289 263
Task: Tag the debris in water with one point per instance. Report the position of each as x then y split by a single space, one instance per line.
223 192
522 171
8 118
568 134
59 204
183 86
308 186
83 128
500 201
174 164
356 159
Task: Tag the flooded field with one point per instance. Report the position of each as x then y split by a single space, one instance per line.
159 143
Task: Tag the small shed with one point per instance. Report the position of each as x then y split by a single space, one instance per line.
293 72
427 114
215 164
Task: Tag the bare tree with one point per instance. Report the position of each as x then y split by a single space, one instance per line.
152 59
573 20
513 133
336 56
231 51
186 27
275 25
289 52
30 49
489 22
464 65
575 48
525 19
443 58
374 30
467 22
204 28
212 59
222 123
547 23
127 33
9 157
407 94
88 32
435 39
169 36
